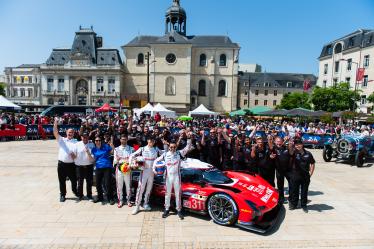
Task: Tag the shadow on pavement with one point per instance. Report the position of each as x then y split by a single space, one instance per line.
277 224
320 207
313 193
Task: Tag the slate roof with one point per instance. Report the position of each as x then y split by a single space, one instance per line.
29 66
360 38
85 45
277 79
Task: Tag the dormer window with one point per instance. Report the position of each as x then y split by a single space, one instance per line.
351 42
267 84
289 84
171 39
329 49
83 43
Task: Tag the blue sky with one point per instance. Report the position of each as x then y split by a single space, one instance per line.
282 36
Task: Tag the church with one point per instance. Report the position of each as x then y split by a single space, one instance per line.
181 71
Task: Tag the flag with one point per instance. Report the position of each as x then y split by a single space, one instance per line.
307 85
360 74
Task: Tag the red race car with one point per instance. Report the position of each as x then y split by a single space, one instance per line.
230 198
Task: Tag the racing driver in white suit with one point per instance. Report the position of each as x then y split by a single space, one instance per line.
150 153
172 160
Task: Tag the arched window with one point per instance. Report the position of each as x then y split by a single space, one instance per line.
100 102
140 59
50 101
338 48
202 88
222 60
221 88
170 86
202 60
112 102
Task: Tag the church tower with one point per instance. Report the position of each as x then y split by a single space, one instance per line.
175 19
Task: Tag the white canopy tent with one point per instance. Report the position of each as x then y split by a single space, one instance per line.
163 111
201 110
147 109
5 104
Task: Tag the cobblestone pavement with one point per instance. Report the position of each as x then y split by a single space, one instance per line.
341 212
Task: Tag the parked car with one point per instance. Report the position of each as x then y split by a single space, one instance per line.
355 148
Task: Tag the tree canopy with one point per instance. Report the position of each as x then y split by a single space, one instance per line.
2 88
295 100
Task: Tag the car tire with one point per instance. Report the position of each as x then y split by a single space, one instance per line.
223 209
360 158
327 154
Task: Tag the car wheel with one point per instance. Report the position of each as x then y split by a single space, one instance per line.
360 158
327 154
222 209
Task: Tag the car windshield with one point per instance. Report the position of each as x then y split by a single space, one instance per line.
215 176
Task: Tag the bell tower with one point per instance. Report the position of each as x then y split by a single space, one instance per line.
175 19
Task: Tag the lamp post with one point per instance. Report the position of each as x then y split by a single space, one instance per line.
355 91
148 64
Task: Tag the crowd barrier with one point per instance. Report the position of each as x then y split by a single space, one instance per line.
37 131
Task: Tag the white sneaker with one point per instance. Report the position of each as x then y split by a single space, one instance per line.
147 207
135 211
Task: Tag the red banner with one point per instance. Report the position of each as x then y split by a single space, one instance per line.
360 74
15 131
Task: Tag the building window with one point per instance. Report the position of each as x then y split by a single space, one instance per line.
336 66
274 102
325 68
329 49
222 60
338 48
366 60
265 102
50 101
351 42
140 59
61 85
275 92
202 62
335 80
100 102
22 79
100 84
193 101
246 92
221 88
267 84
365 82
289 84
348 80
61 101
349 64
266 92
363 99
49 84
15 92
111 85
29 92
246 102
256 102
324 84
246 83
202 88
170 86
112 102
256 92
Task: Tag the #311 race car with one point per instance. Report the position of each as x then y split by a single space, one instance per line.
230 198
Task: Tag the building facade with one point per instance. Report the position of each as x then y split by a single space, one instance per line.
340 59
181 71
22 84
268 89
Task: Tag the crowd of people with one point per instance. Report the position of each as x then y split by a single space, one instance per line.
224 143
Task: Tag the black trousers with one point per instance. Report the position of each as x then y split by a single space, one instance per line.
66 170
85 173
268 174
299 181
281 174
103 176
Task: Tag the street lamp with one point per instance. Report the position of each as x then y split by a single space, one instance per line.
356 84
148 64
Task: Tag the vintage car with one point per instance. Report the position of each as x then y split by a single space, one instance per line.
349 147
230 198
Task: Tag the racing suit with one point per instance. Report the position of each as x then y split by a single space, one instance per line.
121 155
146 176
172 172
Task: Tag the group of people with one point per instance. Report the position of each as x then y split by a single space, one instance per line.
221 143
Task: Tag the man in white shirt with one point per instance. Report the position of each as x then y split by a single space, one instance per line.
84 165
66 166
121 155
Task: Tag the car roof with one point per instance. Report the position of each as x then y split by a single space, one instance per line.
191 163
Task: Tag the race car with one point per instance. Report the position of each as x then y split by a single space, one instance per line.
230 198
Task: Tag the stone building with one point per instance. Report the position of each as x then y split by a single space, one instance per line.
268 89
340 59
184 70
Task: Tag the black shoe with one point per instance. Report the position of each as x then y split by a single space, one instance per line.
305 209
97 200
112 202
89 197
165 214
62 198
291 207
103 202
180 215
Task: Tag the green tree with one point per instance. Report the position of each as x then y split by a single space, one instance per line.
295 100
2 88
370 99
335 98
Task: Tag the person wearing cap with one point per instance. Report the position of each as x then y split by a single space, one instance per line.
302 169
150 153
84 165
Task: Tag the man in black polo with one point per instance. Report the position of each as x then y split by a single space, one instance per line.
302 169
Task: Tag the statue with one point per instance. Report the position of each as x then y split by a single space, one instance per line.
176 2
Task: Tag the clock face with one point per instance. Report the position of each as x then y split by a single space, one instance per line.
171 58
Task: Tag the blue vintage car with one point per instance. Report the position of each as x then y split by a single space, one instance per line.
356 148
